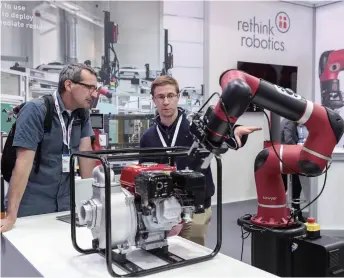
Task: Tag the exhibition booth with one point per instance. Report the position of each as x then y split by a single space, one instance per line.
306 37
298 45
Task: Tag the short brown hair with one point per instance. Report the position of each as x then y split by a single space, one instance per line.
164 80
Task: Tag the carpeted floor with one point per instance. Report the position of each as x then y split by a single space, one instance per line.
231 232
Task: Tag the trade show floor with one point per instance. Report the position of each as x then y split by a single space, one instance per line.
231 243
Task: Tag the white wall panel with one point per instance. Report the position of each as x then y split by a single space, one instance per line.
185 23
188 54
86 43
184 29
188 77
184 8
139 38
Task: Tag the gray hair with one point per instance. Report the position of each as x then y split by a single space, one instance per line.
72 72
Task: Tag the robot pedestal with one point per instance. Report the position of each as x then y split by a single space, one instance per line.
289 253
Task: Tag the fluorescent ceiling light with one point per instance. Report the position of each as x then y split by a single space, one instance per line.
79 12
71 6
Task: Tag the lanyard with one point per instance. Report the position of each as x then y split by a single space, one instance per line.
66 134
174 135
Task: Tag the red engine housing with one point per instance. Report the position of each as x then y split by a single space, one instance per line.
128 173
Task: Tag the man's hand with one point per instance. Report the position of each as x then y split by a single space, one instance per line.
7 223
244 130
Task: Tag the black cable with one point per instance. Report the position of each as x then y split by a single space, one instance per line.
244 235
199 110
316 198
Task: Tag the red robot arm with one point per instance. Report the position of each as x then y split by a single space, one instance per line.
331 63
325 127
101 91
95 140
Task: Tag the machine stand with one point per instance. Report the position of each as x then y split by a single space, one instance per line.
272 248
289 253
165 255
122 261
118 258
271 253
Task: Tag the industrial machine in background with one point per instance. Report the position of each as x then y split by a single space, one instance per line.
125 130
130 86
148 204
331 63
100 139
109 71
276 231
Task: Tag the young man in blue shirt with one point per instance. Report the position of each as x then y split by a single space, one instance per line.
48 190
171 129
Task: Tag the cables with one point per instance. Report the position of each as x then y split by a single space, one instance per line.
204 104
244 235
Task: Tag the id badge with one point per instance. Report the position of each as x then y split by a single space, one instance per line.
65 163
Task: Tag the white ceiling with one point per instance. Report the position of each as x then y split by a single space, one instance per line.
312 3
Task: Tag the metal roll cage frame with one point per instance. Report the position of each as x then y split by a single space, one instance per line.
104 156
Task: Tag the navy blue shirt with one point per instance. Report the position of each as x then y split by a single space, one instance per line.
48 190
151 139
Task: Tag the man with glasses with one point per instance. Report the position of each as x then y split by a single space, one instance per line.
171 129
47 191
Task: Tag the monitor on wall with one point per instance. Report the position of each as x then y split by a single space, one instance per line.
284 76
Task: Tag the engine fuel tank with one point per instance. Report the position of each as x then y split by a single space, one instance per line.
128 174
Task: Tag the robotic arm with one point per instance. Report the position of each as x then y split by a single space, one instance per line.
101 91
213 130
95 139
331 63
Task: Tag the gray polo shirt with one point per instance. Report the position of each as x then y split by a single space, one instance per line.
47 191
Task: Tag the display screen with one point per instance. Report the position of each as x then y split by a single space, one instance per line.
284 76
97 121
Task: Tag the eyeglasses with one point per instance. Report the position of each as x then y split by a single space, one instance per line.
91 88
169 97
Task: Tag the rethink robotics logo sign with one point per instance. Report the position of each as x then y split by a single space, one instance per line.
261 33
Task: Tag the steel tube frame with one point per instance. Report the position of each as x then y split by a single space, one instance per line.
134 154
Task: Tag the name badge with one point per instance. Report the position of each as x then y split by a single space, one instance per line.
65 163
